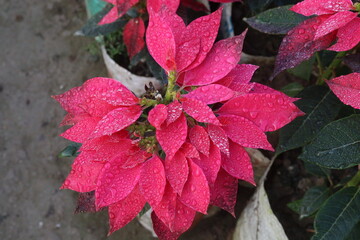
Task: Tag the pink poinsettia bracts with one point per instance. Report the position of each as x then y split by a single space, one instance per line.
347 89
210 142
336 27
102 106
184 150
120 7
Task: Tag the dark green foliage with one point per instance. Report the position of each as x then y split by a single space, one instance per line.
321 107
337 145
338 216
70 151
313 200
92 29
275 21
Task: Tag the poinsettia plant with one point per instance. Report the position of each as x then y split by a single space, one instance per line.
182 148
327 134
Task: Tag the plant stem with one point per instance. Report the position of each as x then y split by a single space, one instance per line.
330 69
355 181
148 102
169 95
321 70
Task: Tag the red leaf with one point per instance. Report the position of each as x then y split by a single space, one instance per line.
161 230
110 17
221 59
175 22
165 211
83 176
174 111
96 107
200 139
319 7
238 164
177 171
161 42
201 33
268 111
135 156
122 212
184 217
334 22
259 88
199 111
299 45
105 148
182 221
224 192
94 97
68 120
189 150
152 181
157 5
196 193
347 89
158 115
186 52
242 73
348 36
244 132
211 94
133 35
115 183
82 129
219 138
70 100
109 90
210 164
120 8
117 120
172 136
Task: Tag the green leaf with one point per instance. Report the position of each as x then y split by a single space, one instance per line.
295 206
338 216
337 145
292 89
92 29
70 151
316 169
355 233
258 5
94 6
154 67
313 200
321 107
144 210
275 21
304 69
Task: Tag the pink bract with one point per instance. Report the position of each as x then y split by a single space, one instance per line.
347 89
122 6
184 150
336 22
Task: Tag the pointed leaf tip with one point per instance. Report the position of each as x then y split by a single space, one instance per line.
347 89
158 115
200 139
196 193
152 181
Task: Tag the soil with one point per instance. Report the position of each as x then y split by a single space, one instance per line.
40 58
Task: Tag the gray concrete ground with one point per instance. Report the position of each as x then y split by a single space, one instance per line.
40 57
